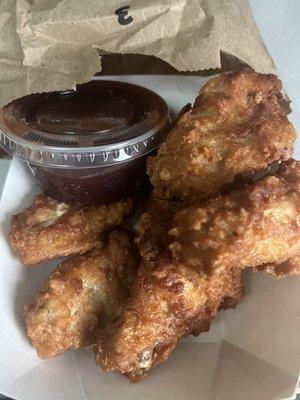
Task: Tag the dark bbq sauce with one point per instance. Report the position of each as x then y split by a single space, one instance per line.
103 185
89 145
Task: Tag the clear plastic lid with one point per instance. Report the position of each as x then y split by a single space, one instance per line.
99 123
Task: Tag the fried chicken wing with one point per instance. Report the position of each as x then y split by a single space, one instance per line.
248 227
48 229
168 300
236 127
81 295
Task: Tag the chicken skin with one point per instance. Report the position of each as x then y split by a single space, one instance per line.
81 295
277 271
179 292
237 126
168 300
48 229
248 227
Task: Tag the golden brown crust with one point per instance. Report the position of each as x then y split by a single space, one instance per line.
290 172
173 297
235 128
81 295
153 227
153 239
246 228
277 271
168 300
48 229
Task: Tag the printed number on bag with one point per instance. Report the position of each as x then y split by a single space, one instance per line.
123 17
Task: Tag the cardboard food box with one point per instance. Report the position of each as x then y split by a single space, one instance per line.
173 48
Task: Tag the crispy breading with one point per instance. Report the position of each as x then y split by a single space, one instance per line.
155 223
277 271
153 239
81 295
236 127
173 297
168 300
48 229
153 228
246 228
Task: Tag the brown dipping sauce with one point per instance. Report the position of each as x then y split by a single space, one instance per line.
88 146
102 185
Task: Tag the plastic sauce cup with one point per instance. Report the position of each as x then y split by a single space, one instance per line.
89 145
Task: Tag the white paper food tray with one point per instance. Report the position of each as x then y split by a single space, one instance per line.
251 353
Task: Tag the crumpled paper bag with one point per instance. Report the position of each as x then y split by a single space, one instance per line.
48 45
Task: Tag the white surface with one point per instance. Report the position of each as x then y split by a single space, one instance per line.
4 166
250 353
279 24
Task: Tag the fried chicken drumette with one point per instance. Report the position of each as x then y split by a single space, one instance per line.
48 229
236 127
248 227
81 295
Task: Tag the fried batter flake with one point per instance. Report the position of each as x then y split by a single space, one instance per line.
289 267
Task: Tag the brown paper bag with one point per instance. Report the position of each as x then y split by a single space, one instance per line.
48 45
